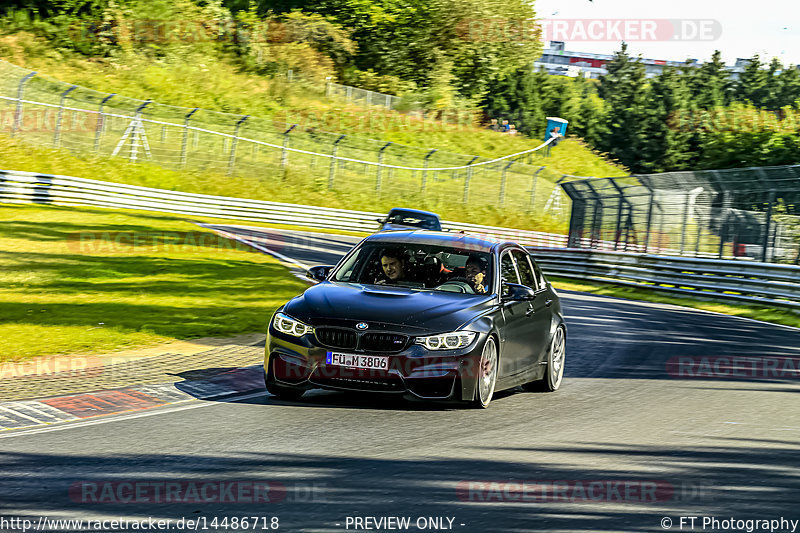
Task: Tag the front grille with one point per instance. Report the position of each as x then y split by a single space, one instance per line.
375 385
336 338
383 342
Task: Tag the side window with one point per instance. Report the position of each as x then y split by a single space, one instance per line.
539 275
525 270
507 270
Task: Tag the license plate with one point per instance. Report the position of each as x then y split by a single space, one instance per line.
368 362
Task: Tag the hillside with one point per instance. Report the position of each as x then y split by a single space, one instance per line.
273 102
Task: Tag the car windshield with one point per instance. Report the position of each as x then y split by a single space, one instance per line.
422 267
404 218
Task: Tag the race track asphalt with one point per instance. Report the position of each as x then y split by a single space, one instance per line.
634 436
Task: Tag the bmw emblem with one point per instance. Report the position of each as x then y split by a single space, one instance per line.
362 325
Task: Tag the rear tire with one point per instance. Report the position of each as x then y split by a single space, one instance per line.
554 371
282 392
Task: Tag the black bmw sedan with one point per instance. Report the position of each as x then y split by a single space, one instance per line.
428 315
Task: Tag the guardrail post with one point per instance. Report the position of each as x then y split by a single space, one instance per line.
380 167
467 180
185 140
101 121
332 172
533 186
503 182
57 133
284 151
232 158
425 167
20 94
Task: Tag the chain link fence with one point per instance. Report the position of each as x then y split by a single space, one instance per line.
747 213
56 114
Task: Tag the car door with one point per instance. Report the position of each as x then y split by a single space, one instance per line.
540 315
518 337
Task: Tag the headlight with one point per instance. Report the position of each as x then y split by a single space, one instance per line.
290 326
447 341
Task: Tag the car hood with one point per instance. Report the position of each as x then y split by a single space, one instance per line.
384 307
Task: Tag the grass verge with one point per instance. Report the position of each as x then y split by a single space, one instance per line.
75 280
765 314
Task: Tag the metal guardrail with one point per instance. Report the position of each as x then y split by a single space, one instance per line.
30 187
745 281
742 281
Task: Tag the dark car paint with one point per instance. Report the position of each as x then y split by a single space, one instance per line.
522 328
402 227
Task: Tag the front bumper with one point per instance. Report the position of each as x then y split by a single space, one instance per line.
415 372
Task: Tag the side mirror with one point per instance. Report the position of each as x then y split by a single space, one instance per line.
380 220
514 292
319 273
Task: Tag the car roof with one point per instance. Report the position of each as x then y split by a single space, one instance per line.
440 238
415 211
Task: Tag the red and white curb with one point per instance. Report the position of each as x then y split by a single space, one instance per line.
34 413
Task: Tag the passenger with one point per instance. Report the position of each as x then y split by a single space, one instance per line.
475 272
393 266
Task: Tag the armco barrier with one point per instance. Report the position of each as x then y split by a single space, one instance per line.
761 283
28 187
743 281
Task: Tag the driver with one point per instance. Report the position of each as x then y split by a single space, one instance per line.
475 272
393 266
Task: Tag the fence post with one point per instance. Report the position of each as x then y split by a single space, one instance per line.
135 131
685 220
332 172
380 167
57 133
503 182
101 121
466 180
533 186
20 93
328 87
649 212
723 228
185 140
232 158
284 151
425 167
388 104
768 225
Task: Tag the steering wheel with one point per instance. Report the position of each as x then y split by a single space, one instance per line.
462 284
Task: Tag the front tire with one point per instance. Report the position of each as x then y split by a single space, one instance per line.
554 373
487 375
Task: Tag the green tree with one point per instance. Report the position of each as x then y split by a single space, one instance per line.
708 82
752 83
623 89
416 40
788 92
665 144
